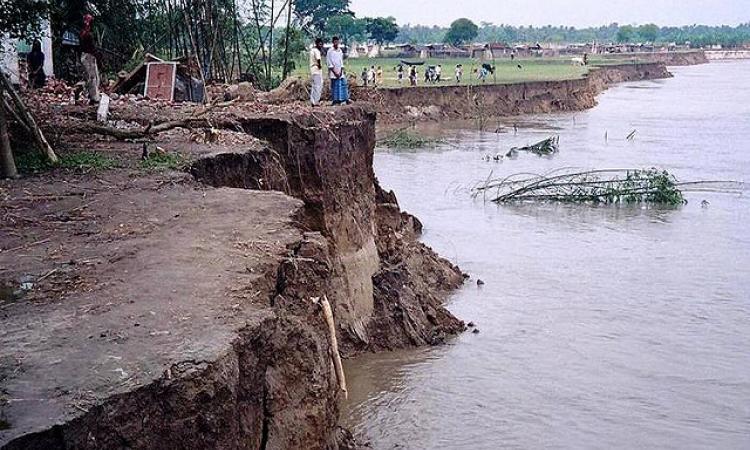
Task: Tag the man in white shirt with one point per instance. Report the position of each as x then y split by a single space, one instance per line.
335 62
316 72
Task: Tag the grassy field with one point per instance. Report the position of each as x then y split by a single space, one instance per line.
532 69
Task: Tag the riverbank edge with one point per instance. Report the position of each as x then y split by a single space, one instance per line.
268 381
357 248
436 103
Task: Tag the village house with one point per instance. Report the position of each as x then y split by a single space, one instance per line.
489 51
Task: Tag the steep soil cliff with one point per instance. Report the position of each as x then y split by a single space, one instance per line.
682 58
166 313
385 286
470 102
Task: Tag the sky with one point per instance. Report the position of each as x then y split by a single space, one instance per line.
577 13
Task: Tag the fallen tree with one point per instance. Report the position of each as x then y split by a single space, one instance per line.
18 110
196 120
609 186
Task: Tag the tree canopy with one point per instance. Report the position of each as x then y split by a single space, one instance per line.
347 27
695 35
382 29
461 31
21 18
316 13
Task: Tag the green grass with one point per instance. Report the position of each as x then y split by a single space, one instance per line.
163 161
32 162
507 71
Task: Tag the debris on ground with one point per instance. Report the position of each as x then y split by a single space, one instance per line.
290 90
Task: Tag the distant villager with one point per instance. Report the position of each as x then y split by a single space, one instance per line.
35 63
316 72
413 76
88 59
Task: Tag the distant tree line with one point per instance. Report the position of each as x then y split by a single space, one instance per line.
695 35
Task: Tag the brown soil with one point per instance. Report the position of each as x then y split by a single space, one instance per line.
165 313
172 310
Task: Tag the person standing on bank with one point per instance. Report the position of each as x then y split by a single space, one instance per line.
335 62
316 72
35 63
88 59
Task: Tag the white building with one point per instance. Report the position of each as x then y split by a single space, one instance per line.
9 54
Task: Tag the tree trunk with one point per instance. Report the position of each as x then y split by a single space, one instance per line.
26 116
7 163
286 44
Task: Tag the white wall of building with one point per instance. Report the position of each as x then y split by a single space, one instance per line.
9 58
9 55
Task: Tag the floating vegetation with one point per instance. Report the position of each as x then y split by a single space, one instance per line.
608 186
403 138
546 147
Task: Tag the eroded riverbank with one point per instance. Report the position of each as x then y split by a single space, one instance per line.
164 310
599 326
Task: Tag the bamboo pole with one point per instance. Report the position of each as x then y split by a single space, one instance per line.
197 58
286 44
328 315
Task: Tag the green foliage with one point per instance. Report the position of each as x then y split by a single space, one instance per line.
158 161
297 46
347 27
648 32
382 29
314 14
404 139
696 35
34 162
461 31
625 34
21 18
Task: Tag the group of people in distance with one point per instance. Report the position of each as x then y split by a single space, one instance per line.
330 64
372 76
432 74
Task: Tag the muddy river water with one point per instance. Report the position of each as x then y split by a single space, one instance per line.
600 327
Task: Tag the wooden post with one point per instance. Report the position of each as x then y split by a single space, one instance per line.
328 315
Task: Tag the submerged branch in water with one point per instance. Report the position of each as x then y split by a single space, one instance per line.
599 186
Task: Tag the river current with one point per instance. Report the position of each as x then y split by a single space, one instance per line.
599 327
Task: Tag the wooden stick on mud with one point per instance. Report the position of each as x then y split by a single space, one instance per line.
328 314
